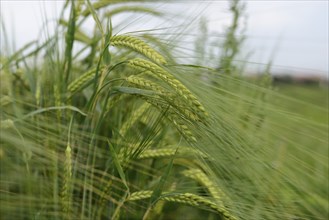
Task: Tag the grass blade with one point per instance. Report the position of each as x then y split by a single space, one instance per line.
118 165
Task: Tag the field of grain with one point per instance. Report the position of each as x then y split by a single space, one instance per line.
117 125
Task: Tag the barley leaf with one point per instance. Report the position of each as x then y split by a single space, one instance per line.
118 165
72 108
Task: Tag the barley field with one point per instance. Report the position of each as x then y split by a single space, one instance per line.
119 123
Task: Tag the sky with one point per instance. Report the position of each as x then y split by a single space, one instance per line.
292 34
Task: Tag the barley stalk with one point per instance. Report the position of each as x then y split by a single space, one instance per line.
139 46
57 96
102 199
78 35
58 100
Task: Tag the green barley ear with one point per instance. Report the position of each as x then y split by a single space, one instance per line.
172 116
146 84
182 198
38 92
139 195
113 101
159 72
66 192
197 201
7 124
165 95
66 189
5 100
157 153
199 176
139 46
184 129
81 81
170 152
133 118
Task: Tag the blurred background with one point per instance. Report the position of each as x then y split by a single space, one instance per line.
292 35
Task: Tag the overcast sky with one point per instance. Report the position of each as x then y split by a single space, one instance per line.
293 34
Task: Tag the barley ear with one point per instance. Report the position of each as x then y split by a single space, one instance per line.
139 195
172 117
133 118
197 201
139 46
113 100
170 98
67 181
7 124
81 81
170 152
199 176
159 72
156 153
5 100
38 92
183 198
146 84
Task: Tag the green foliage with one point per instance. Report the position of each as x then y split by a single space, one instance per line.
233 40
